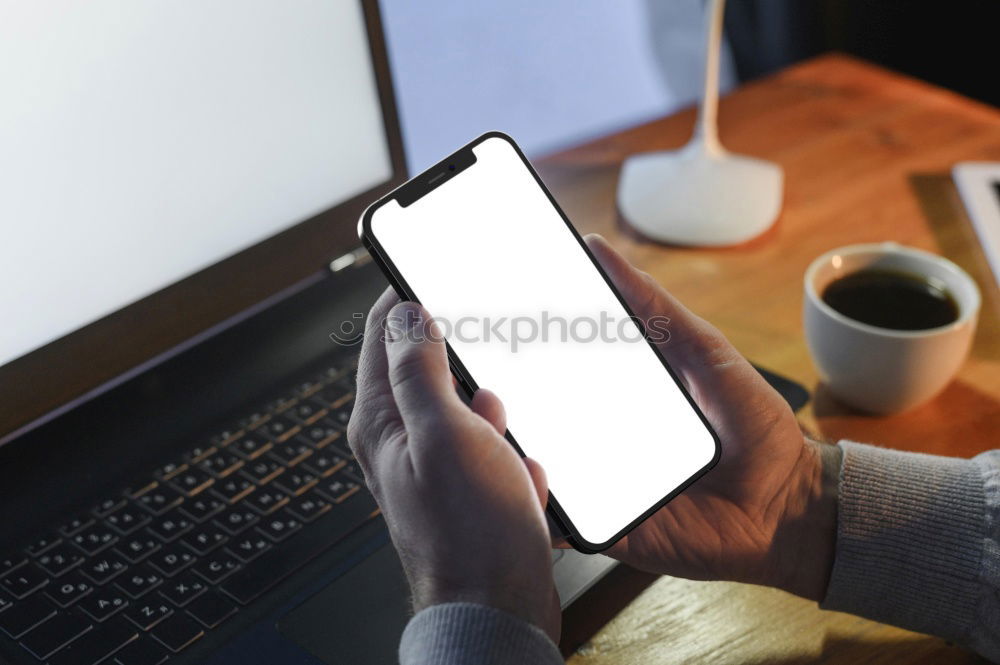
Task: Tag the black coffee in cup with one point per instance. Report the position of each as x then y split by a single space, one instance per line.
892 299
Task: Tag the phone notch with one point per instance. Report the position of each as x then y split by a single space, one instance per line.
436 176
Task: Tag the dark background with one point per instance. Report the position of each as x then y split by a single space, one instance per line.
952 43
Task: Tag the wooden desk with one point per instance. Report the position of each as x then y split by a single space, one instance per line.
867 157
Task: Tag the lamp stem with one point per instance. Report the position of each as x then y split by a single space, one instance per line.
706 130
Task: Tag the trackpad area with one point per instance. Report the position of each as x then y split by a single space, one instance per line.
359 618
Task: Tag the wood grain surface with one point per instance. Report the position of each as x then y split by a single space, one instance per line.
867 156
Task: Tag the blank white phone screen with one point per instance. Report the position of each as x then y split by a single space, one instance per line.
533 320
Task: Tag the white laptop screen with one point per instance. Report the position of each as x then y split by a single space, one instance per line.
143 141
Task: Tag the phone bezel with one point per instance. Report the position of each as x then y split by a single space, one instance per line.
419 186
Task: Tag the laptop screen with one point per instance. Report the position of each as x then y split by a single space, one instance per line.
142 142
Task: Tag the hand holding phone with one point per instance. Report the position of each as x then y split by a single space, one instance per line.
479 241
466 514
767 513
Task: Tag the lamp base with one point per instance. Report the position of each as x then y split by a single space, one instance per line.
700 196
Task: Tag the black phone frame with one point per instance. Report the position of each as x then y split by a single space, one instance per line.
419 186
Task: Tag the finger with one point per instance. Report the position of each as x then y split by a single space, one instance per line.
488 406
373 368
418 371
539 480
662 314
556 536
374 404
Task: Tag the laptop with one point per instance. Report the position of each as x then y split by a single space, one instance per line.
182 297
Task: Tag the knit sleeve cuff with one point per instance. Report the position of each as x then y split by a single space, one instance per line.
472 634
909 540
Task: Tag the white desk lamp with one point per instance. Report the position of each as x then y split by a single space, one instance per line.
701 194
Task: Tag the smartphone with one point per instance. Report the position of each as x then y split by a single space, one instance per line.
527 312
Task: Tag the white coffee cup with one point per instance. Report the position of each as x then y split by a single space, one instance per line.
881 370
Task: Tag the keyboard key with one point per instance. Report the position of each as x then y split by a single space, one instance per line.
74 524
168 471
296 482
279 526
170 526
291 452
104 568
249 547
69 589
205 538
233 489
321 435
339 487
138 547
199 453
127 519
95 538
325 462
5 602
202 507
103 603
96 645
334 371
148 613
9 563
265 501
55 633
251 446
217 567
43 544
331 394
263 470
60 559
24 581
307 412
178 631
172 559
247 584
183 589
160 499
308 388
279 428
142 488
237 520
308 507
139 581
193 481
222 463
25 615
255 419
108 505
281 403
143 651
226 437
211 608
340 412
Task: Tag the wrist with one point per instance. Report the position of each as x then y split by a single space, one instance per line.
806 538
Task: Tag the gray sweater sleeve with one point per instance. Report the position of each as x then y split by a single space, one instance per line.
918 543
470 634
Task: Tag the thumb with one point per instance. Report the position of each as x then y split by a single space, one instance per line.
418 367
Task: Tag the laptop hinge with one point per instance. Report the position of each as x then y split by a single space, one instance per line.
356 258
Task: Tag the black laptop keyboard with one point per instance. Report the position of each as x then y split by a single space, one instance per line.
146 573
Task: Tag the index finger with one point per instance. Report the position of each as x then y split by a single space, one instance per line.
374 395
